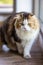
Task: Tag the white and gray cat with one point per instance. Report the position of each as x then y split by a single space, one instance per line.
27 29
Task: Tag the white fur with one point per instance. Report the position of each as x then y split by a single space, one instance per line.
5 48
28 36
25 27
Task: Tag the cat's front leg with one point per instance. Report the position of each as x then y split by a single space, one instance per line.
27 49
20 48
27 52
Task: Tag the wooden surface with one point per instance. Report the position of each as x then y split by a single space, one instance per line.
13 58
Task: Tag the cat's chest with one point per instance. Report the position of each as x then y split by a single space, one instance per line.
25 35
25 42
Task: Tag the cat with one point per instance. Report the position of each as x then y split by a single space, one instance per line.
20 31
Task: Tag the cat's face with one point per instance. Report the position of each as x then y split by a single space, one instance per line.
25 22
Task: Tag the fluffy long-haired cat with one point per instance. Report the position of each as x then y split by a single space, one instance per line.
20 31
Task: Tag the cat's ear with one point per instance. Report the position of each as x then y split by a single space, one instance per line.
17 18
30 15
21 15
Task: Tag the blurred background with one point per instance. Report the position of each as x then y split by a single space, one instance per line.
7 7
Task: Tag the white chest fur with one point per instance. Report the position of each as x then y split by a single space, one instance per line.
28 35
27 41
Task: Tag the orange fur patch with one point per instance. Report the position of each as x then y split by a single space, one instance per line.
32 21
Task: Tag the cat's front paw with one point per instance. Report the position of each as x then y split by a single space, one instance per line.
27 56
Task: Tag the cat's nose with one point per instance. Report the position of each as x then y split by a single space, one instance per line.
27 28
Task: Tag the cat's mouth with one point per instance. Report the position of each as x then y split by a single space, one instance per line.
24 29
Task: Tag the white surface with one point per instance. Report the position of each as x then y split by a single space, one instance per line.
2 18
24 5
41 10
6 10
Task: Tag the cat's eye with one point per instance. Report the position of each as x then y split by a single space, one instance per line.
22 24
29 24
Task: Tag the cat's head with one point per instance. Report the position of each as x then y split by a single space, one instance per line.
25 21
